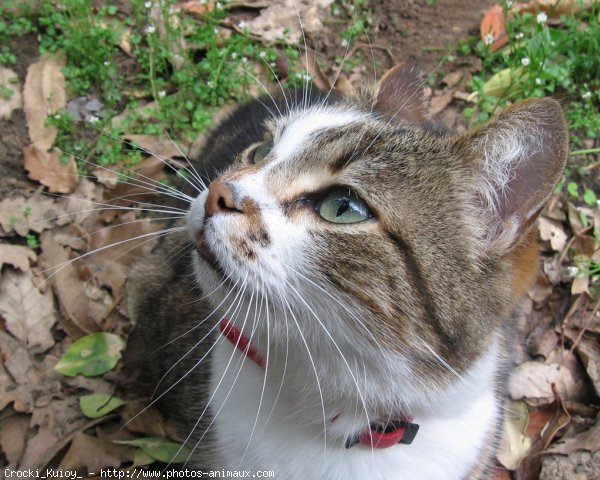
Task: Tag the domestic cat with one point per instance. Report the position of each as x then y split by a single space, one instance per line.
338 305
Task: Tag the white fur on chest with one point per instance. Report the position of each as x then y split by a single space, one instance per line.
263 430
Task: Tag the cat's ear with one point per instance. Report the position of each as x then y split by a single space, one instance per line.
518 159
400 95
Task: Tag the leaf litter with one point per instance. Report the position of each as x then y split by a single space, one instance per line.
73 319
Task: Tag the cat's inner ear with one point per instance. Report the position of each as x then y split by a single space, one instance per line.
518 159
400 95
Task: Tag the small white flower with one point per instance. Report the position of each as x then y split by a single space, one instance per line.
538 81
148 4
203 2
541 17
344 43
150 29
262 54
488 39
242 25
210 84
57 116
586 95
509 3
106 63
572 271
519 35
93 119
234 55
335 11
525 61
219 6
162 94
244 59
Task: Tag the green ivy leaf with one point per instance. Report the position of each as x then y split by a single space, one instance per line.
573 189
589 197
91 355
160 449
97 405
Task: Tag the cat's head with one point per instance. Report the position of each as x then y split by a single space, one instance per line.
360 228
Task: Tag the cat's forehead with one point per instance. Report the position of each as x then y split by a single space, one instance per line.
293 131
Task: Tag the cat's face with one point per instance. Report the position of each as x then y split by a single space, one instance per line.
374 234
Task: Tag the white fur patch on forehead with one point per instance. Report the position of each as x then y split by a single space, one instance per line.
300 125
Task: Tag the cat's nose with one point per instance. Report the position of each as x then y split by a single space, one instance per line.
220 199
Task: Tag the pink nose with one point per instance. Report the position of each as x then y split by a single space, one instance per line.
220 199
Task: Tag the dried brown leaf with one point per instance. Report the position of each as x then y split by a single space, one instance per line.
581 284
117 248
282 15
161 147
9 82
25 214
554 8
95 453
67 285
44 94
29 314
532 381
553 231
493 29
439 101
50 170
140 418
138 188
16 255
515 443
587 440
13 435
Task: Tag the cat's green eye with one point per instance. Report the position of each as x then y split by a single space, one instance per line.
262 151
343 206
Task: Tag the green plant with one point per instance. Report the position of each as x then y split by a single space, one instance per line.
542 60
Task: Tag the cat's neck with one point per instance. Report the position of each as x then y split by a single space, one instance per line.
261 407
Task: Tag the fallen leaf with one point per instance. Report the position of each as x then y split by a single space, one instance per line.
44 94
13 435
551 230
29 314
95 453
197 9
515 443
16 255
280 20
55 423
532 381
91 355
117 247
10 93
439 101
161 449
587 440
140 418
24 214
493 29
580 285
453 78
554 8
161 147
97 405
50 170
66 283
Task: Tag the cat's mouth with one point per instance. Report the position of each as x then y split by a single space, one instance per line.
205 252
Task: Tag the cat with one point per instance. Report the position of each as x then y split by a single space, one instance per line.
340 303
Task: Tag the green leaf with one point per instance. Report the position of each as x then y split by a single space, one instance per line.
589 197
91 355
97 405
160 449
573 189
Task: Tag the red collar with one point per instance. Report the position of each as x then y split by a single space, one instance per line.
379 435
